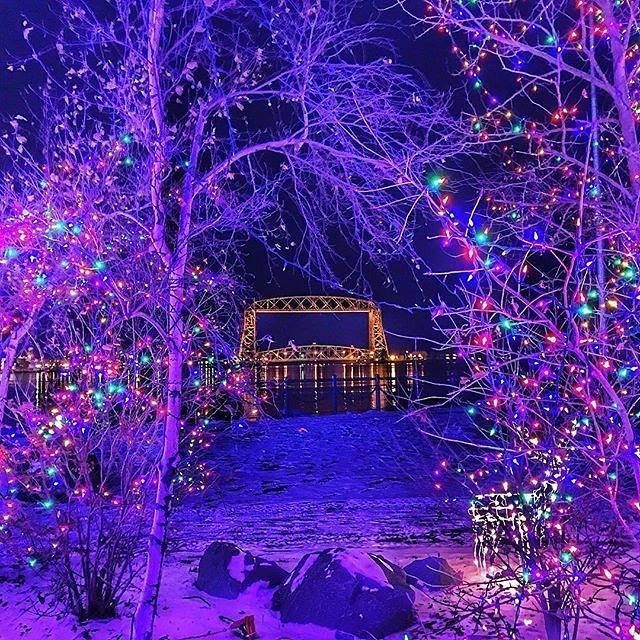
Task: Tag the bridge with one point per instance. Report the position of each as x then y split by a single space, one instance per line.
376 350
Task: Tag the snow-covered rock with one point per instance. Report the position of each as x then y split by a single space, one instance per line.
433 573
350 591
225 571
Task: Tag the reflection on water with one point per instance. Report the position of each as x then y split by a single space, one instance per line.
291 389
36 385
298 388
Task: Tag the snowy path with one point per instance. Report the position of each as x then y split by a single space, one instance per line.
312 482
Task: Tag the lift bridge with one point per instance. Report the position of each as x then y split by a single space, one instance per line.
376 351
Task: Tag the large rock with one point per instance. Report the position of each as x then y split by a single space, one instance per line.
225 571
354 592
433 573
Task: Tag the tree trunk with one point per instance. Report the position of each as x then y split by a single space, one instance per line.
551 606
552 625
144 618
10 356
623 98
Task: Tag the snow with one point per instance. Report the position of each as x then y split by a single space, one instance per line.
236 567
297 576
286 488
358 563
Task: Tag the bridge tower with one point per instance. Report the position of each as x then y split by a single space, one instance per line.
376 350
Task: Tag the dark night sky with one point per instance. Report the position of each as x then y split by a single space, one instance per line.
406 292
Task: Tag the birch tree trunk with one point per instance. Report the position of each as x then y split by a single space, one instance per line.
144 618
8 362
621 83
11 354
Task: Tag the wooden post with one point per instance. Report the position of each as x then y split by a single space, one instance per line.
334 392
285 396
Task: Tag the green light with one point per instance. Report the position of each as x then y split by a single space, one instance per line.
566 557
506 324
477 83
434 182
481 237
47 504
585 310
629 273
127 138
100 266
10 253
128 161
98 399
40 280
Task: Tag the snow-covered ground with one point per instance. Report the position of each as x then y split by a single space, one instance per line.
311 482
285 487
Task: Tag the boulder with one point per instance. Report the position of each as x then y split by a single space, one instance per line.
351 591
225 571
433 573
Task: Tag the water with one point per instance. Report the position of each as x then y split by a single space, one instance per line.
303 388
36 385
317 388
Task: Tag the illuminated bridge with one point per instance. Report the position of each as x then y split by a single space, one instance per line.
376 350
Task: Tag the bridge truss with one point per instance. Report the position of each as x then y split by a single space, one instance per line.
377 347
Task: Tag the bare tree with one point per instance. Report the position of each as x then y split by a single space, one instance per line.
81 478
541 309
284 123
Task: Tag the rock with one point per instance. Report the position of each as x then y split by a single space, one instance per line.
225 571
353 592
433 573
